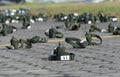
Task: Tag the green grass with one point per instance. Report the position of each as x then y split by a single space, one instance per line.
110 8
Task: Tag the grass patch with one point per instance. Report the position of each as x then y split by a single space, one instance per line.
110 8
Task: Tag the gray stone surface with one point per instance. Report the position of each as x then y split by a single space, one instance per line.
93 61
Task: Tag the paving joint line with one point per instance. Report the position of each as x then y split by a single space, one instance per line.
62 40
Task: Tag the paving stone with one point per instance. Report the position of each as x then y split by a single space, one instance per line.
93 61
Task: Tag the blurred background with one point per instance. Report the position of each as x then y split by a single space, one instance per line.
52 1
109 7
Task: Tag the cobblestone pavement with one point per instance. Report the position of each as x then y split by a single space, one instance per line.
93 61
